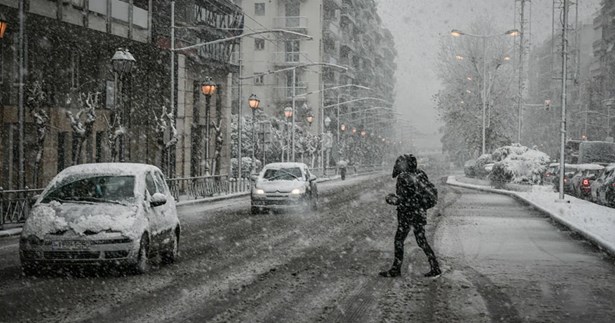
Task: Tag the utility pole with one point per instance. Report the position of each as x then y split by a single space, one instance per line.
522 30
564 84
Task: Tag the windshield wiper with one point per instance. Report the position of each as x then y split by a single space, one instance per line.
97 199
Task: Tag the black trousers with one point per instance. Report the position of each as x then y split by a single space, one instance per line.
416 220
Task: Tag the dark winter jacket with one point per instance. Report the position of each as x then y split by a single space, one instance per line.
406 191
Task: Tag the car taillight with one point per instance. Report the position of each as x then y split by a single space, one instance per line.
585 182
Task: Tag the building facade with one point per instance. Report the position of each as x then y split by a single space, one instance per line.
343 32
67 68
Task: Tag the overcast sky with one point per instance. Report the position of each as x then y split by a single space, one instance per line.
417 26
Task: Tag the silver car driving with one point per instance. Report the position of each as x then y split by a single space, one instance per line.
284 186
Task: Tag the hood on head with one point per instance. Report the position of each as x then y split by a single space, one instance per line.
404 163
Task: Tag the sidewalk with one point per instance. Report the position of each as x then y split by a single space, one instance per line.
15 229
595 222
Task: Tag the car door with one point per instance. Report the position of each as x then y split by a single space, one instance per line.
168 211
153 213
603 186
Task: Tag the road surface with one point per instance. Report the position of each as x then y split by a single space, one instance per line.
502 261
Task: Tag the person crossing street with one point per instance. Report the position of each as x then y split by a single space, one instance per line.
414 195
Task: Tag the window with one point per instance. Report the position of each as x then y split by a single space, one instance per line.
161 184
259 80
149 183
292 51
259 8
259 44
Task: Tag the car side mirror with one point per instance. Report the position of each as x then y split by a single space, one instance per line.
253 178
158 199
33 199
313 177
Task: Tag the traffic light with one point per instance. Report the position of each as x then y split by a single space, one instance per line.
547 104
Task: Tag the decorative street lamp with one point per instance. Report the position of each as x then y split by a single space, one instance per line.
327 122
3 25
208 88
253 102
123 63
354 130
363 133
288 113
343 127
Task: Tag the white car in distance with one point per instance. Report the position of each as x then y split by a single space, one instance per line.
282 186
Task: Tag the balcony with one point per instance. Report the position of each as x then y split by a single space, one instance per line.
333 30
337 4
298 24
348 14
289 58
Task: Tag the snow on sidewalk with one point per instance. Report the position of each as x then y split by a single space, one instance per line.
595 222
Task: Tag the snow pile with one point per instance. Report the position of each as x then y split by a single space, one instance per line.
43 220
54 217
519 164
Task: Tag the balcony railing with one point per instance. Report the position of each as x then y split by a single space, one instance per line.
293 23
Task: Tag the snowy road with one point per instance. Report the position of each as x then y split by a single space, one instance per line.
502 259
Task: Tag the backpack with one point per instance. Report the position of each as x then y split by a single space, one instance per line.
427 192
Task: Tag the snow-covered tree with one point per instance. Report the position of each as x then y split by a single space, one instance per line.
83 128
164 123
459 103
35 99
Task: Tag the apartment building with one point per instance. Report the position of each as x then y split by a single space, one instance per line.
344 32
68 46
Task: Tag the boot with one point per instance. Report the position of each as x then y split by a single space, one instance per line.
435 269
390 273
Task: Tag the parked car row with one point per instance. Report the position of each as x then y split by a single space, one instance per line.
592 182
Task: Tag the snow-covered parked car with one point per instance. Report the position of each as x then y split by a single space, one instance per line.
284 186
115 213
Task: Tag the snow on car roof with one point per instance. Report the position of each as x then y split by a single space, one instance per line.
284 165
590 166
109 168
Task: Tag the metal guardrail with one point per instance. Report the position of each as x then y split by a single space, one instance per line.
206 186
15 205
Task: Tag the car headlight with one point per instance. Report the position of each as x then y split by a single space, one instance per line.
297 191
259 191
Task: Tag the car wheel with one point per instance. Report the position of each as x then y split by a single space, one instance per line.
143 263
314 204
170 255
255 210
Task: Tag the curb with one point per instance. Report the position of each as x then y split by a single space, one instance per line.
10 232
603 245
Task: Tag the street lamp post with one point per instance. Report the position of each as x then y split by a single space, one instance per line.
122 62
288 113
253 102
458 33
208 88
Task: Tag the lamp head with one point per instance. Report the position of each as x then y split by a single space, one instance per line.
253 102
208 87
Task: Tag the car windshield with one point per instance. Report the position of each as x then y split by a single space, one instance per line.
282 174
92 189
